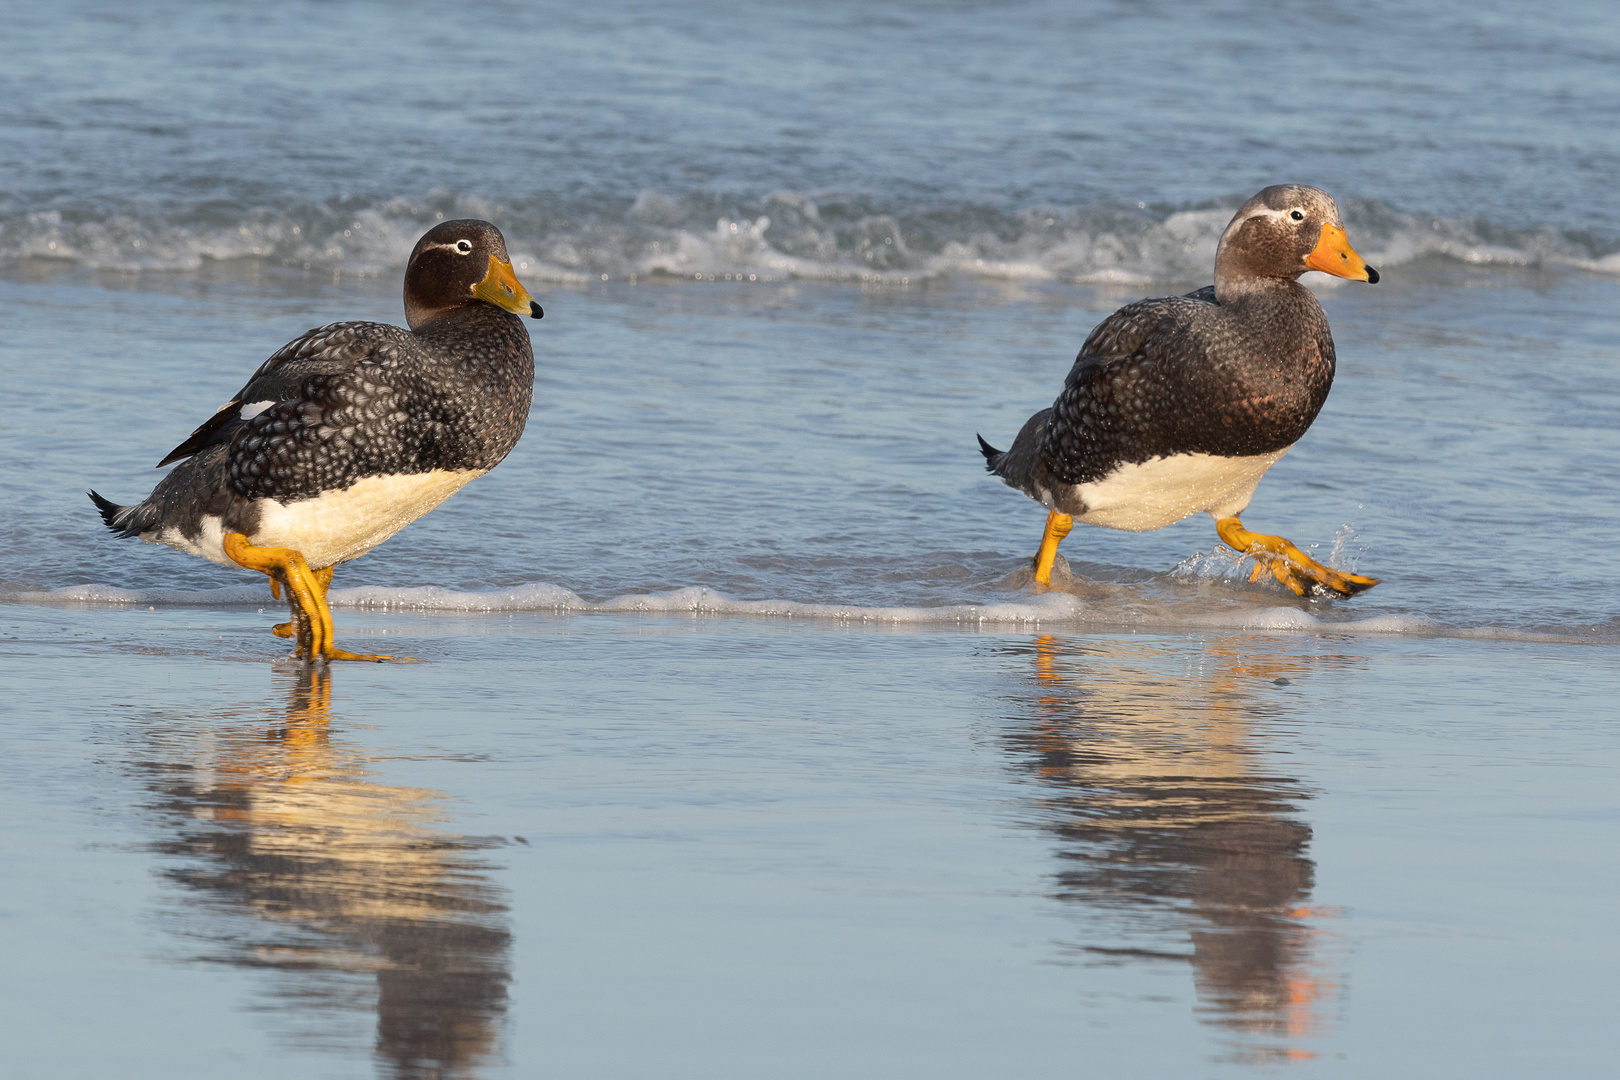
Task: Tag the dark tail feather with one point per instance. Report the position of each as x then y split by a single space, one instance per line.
992 456
108 509
123 520
1015 464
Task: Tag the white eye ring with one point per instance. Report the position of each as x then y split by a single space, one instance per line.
464 246
1297 215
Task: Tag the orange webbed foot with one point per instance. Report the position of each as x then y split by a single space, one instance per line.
1293 569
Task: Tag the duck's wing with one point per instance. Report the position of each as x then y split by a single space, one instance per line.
1141 331
1120 401
326 350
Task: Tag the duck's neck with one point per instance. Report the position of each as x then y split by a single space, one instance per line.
461 320
1233 286
1276 316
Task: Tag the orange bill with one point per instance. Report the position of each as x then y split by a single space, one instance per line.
502 288
1334 255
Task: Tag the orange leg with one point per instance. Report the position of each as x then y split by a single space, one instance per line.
323 582
1057 527
1296 570
306 594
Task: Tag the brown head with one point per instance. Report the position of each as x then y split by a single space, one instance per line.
459 263
1281 233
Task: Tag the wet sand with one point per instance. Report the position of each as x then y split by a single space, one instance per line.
621 845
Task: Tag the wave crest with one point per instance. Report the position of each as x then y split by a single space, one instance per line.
785 236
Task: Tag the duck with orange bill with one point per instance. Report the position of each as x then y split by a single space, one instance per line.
352 431
1178 406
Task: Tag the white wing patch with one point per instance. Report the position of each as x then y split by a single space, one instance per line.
250 411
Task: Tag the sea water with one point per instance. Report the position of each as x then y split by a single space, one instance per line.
742 743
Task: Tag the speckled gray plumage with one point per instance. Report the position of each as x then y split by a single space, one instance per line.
354 400
453 396
1235 369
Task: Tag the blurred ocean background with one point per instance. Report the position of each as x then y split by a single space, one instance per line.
793 257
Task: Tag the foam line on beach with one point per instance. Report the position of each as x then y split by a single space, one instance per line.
1053 610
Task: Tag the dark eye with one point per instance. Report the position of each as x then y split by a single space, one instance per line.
465 246
1297 215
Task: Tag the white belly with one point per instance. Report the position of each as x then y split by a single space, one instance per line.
343 525
1165 490
335 527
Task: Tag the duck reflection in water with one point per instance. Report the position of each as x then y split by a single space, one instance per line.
343 888
1176 839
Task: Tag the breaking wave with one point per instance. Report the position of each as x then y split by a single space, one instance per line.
785 237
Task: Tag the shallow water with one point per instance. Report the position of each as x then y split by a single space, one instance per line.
740 743
810 450
622 846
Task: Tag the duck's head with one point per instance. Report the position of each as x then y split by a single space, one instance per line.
459 263
1281 233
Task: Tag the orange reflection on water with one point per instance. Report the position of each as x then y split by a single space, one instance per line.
347 893
1178 840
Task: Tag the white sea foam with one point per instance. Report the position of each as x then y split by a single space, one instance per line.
784 237
698 600
1055 610
112 594
1609 264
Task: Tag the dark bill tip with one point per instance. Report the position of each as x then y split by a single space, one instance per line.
1372 278
535 311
